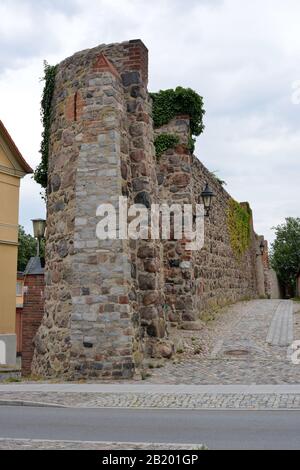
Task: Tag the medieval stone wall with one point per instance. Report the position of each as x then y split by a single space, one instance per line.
109 302
104 299
213 276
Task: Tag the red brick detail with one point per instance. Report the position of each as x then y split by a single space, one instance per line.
19 312
102 64
78 105
33 311
74 105
123 300
69 108
137 58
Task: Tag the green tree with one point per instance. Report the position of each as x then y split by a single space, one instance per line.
27 248
285 251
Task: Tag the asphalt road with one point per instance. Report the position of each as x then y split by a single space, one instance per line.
216 429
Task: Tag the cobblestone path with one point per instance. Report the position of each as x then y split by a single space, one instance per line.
240 353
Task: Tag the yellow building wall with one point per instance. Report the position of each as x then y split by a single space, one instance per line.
9 209
8 278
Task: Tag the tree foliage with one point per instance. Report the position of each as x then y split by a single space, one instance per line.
27 248
285 251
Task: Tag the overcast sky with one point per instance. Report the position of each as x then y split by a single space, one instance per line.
242 57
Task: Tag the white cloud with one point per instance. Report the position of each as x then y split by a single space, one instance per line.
241 56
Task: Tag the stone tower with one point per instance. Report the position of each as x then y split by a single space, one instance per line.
103 299
109 304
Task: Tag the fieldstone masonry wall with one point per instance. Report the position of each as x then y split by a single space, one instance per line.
201 280
108 304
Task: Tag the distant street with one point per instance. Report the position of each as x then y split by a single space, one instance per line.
216 429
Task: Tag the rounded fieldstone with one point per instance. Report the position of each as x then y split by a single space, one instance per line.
59 206
148 313
147 252
160 179
150 298
62 248
152 266
166 351
140 184
143 198
130 78
55 183
124 171
146 282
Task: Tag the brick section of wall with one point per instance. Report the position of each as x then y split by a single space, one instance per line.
32 315
19 311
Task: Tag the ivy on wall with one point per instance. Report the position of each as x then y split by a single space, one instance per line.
167 104
164 142
41 172
238 222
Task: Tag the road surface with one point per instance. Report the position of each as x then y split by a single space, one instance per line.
216 429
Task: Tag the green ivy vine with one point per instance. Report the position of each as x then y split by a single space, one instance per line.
164 142
41 172
167 104
191 144
238 222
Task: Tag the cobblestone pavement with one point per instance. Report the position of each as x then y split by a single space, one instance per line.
238 353
250 401
33 444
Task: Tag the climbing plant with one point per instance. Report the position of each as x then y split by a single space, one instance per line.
170 103
238 222
41 172
167 104
164 142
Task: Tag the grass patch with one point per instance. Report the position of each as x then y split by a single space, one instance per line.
11 380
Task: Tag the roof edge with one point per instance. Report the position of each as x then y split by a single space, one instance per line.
14 149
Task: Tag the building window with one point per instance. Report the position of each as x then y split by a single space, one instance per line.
19 289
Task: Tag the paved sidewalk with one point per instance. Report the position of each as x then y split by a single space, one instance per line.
154 396
281 328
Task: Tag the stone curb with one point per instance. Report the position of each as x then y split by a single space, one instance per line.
184 408
30 403
141 407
